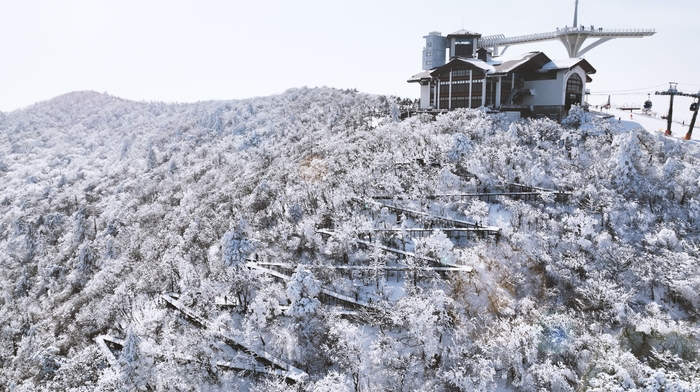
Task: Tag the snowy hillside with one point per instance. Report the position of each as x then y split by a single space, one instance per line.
312 241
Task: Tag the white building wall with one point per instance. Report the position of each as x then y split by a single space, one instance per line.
425 96
545 92
551 92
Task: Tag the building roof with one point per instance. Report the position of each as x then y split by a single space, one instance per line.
505 65
463 32
569 64
419 76
472 62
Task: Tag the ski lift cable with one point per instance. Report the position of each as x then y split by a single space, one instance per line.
689 84
638 91
618 92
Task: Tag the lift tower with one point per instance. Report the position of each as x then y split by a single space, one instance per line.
672 92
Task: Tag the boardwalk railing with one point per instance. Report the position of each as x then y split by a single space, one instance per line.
251 367
511 190
453 232
287 370
501 40
485 196
333 294
361 267
103 343
515 187
445 222
405 254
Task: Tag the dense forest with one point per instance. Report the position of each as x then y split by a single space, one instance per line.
316 241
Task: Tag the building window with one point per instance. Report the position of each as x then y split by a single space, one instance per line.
574 84
574 90
428 53
428 63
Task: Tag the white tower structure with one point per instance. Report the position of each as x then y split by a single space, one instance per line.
573 37
438 49
434 50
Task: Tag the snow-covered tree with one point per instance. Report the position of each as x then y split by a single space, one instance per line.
235 247
303 290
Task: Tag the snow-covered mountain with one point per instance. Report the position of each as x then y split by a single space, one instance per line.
313 241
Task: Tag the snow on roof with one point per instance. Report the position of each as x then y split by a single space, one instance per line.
419 76
477 63
568 64
511 57
502 65
561 64
463 32
506 64
484 66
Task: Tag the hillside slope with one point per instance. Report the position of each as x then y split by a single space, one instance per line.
317 229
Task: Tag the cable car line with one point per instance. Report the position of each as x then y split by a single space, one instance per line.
629 91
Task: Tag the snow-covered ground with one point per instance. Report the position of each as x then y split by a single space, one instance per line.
653 124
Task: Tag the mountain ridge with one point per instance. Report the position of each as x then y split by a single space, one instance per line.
107 204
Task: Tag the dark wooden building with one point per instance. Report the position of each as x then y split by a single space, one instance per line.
530 83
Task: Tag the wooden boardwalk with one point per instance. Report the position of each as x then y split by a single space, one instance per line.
434 261
330 293
104 342
107 344
283 368
485 196
515 187
405 254
253 368
365 267
511 190
429 221
452 232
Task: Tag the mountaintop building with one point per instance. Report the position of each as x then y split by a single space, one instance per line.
458 73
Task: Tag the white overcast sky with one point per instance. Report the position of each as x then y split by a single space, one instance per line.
186 51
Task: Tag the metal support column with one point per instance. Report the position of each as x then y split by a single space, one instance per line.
449 95
471 80
689 134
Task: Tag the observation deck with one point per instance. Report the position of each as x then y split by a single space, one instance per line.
573 38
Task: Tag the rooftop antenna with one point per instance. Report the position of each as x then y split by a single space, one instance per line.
576 14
